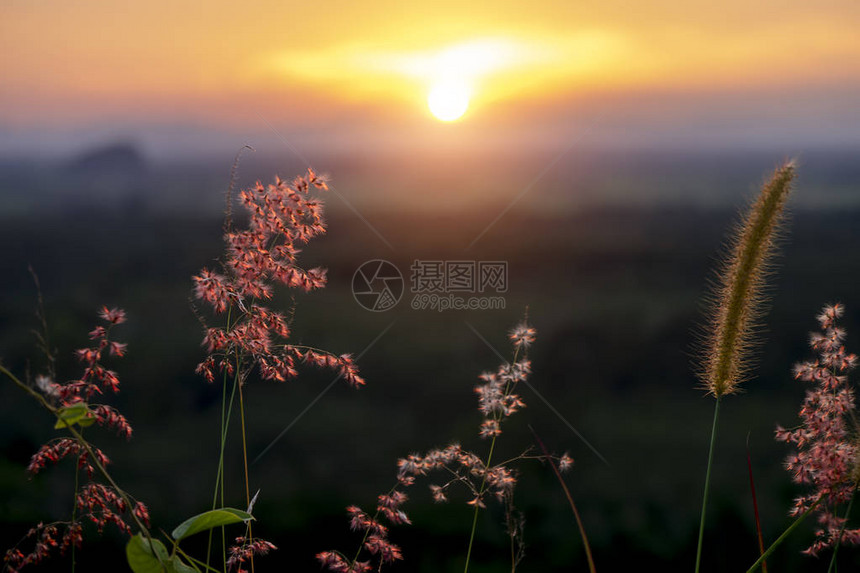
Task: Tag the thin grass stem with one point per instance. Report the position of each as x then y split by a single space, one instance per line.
755 507
245 460
832 565
783 537
567 494
484 480
75 506
707 483
478 506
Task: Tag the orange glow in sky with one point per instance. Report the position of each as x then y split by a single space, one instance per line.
311 62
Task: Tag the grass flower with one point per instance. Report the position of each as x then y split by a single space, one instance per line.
737 303
244 550
99 503
282 216
827 451
737 306
463 469
522 335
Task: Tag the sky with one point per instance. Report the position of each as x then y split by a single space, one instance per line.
347 73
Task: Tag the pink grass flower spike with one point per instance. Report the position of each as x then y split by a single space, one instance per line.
97 503
827 450
461 469
282 217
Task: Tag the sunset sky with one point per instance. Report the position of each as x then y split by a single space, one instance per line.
769 70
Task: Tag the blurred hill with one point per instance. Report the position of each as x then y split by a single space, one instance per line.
118 158
118 176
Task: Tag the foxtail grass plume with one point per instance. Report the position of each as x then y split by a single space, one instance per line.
736 305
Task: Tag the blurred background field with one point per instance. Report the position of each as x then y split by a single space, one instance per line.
604 151
611 251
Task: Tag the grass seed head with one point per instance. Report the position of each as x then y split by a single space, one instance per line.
736 305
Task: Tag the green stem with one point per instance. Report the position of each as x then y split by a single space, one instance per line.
219 481
832 565
497 417
75 505
245 460
707 484
478 505
579 524
219 478
192 560
783 537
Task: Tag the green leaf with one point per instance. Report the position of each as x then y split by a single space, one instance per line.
75 414
141 557
210 520
175 565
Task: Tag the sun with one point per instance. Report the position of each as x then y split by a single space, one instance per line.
448 100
